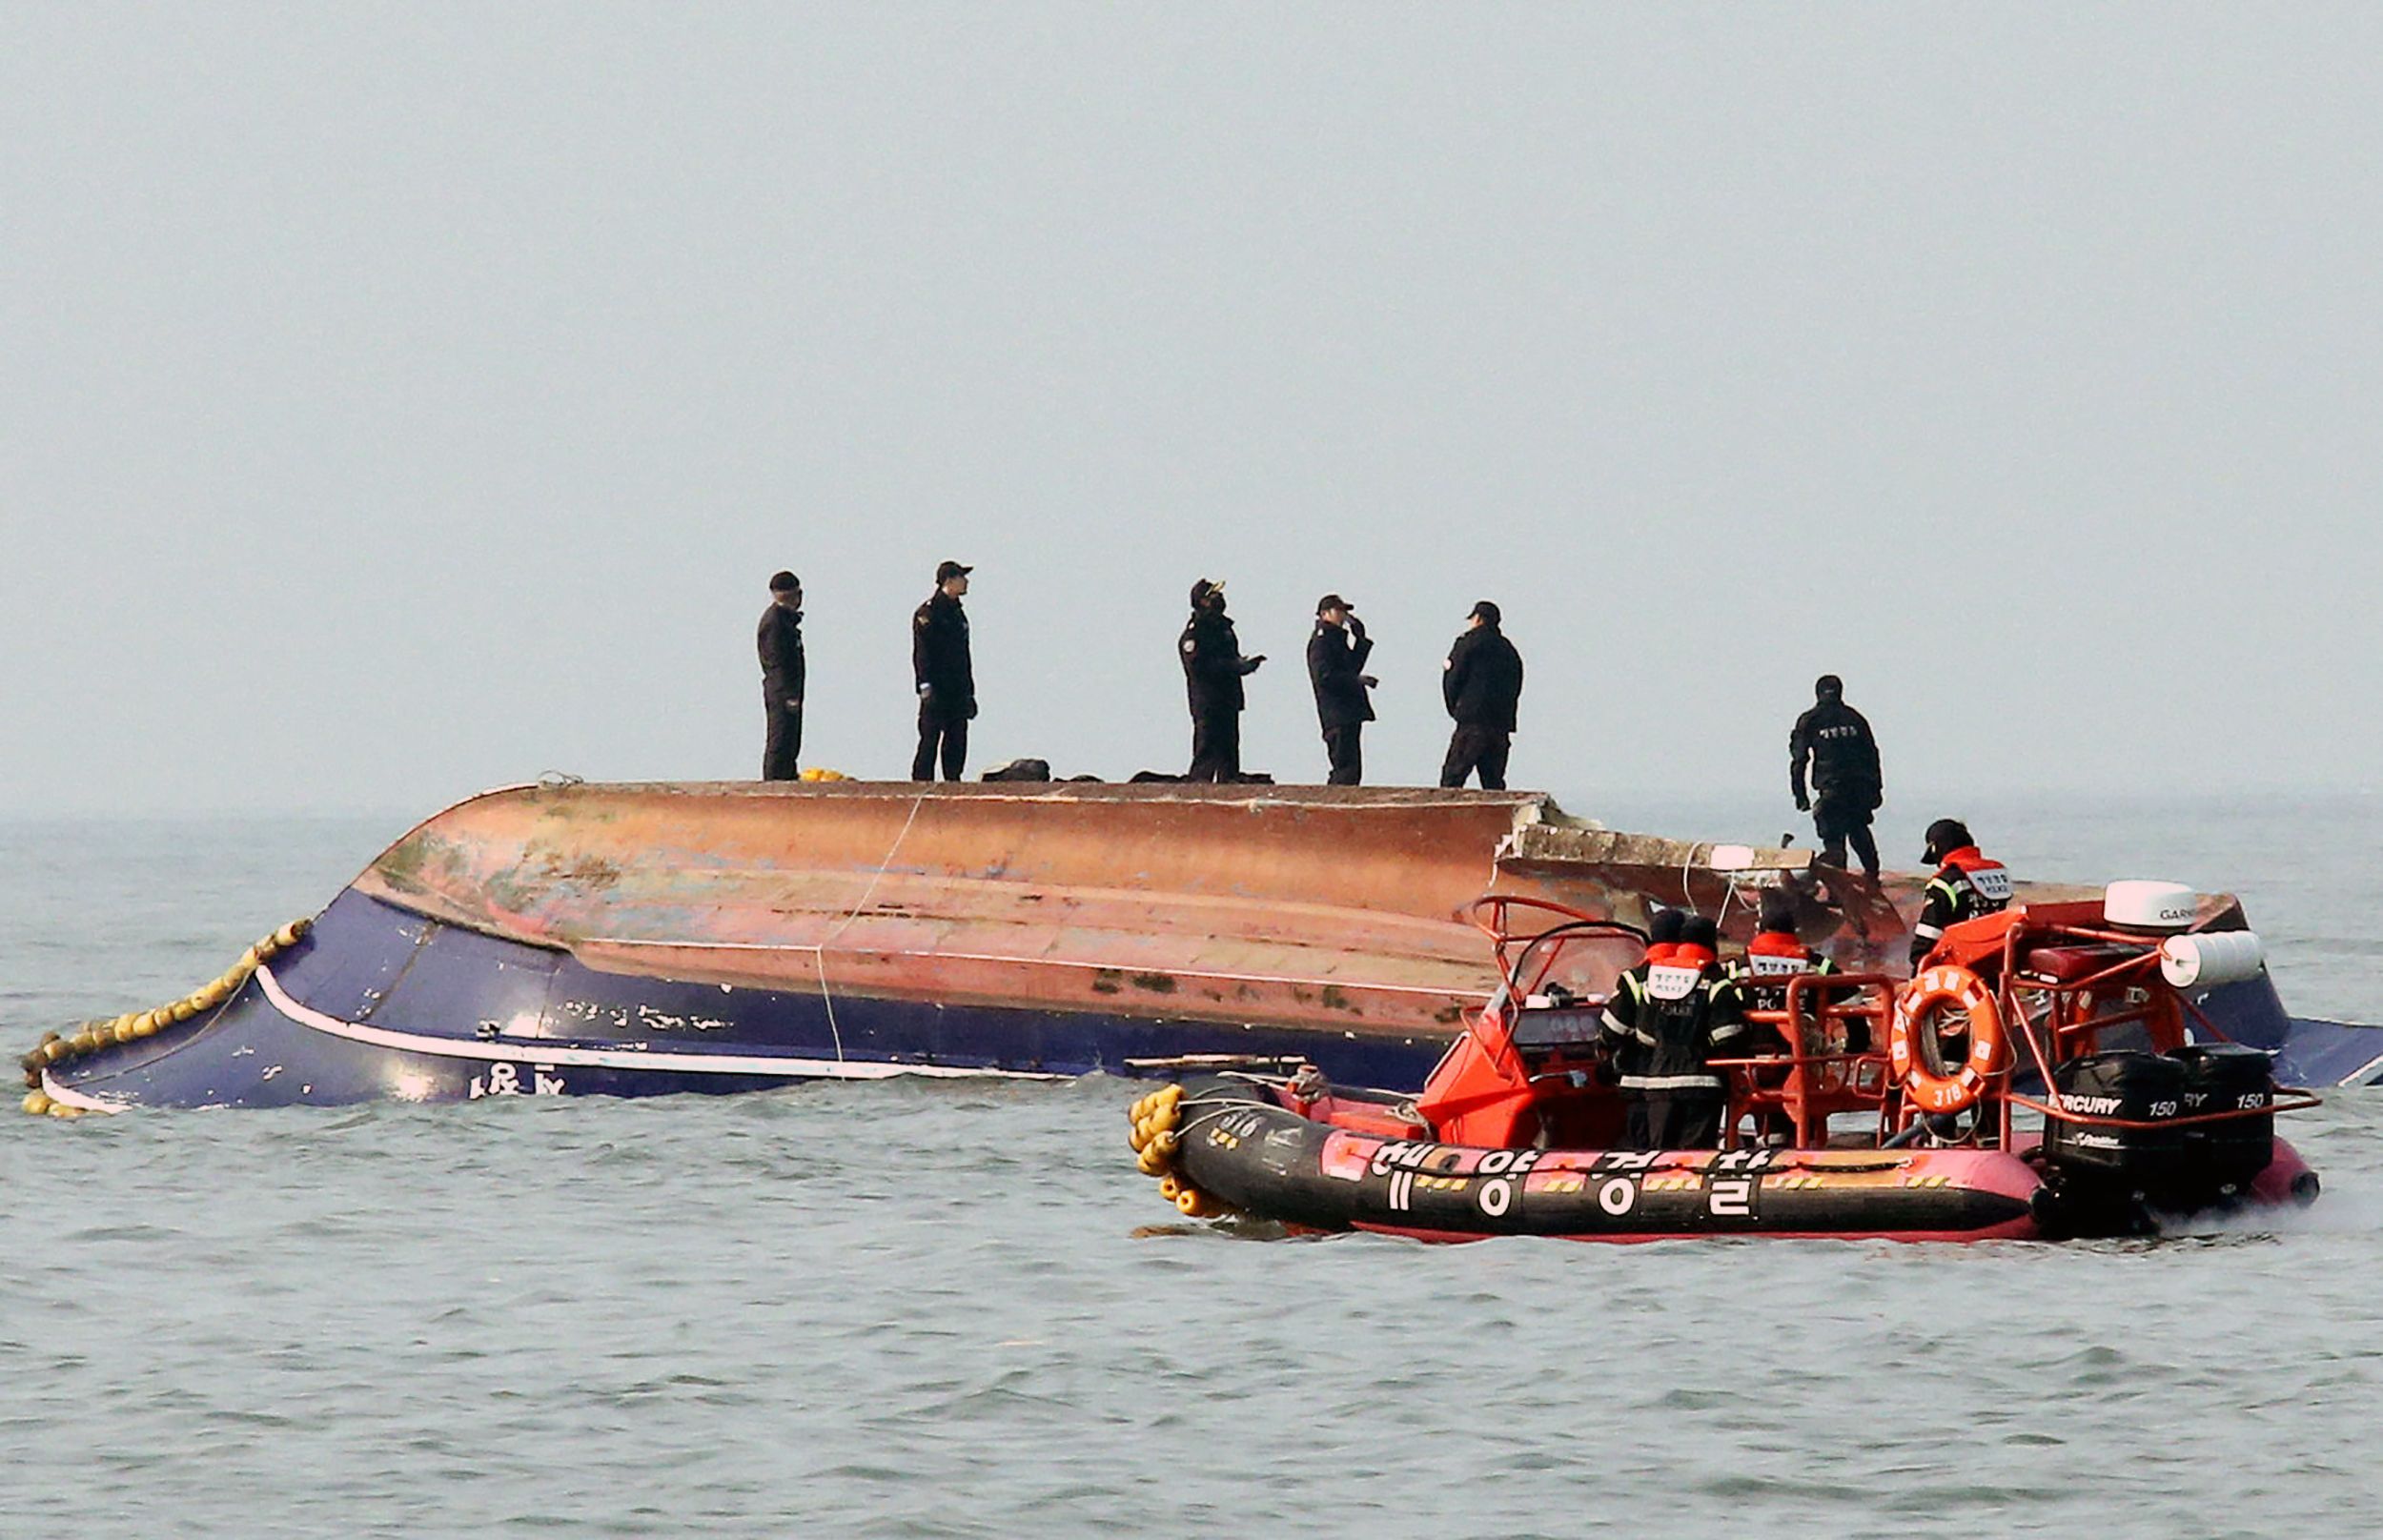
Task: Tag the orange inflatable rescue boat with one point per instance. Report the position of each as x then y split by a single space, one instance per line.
2038 1078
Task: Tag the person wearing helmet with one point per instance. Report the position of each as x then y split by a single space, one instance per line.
1663 928
1212 670
946 674
1685 1013
1846 787
1966 885
1336 655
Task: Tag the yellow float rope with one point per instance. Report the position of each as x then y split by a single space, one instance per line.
1155 1138
57 1047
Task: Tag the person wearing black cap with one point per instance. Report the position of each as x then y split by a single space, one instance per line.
1966 885
1481 682
1212 670
946 678
1682 1013
782 672
1337 657
1846 787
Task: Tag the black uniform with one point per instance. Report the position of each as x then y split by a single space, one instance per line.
1623 1049
946 682
1846 787
1337 668
783 673
1481 684
1671 1018
1966 886
1213 669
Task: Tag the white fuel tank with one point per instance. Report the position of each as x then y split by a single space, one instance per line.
2212 957
2148 905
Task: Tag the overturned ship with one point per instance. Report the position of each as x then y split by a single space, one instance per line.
643 940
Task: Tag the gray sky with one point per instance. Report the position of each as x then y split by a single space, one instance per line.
400 399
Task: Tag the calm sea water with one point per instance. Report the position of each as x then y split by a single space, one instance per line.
933 1310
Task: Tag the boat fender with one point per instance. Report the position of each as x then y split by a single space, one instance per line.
1153 1135
36 1103
1939 988
2208 959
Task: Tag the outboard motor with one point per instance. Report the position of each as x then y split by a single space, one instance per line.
2223 1158
2108 1176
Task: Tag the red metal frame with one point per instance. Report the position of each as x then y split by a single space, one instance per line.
1487 1089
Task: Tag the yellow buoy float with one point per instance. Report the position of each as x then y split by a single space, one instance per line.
55 1047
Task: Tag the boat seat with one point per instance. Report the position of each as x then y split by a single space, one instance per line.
2067 965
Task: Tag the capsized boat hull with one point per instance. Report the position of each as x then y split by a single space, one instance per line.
654 940
379 1003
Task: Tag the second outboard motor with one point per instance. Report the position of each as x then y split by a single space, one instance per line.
2105 1174
2223 1158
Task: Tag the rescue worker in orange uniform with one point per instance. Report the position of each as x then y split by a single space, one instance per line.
1685 1012
1966 885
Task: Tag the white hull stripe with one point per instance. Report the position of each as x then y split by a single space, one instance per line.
67 1096
533 1052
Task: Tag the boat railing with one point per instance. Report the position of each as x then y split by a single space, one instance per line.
1811 1081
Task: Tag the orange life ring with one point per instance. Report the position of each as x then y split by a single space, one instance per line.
1930 992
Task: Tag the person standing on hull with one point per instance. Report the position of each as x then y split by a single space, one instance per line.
1966 885
1689 1014
1481 682
1846 787
1337 657
1212 670
947 678
782 673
